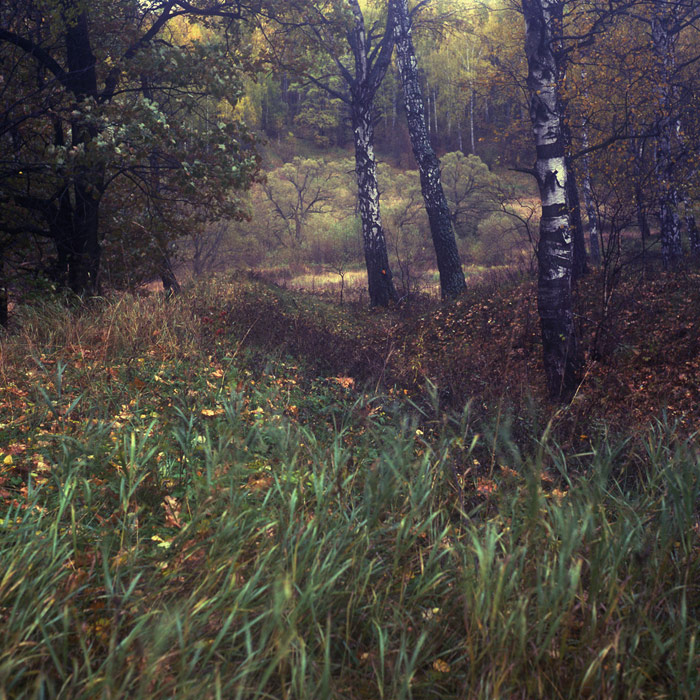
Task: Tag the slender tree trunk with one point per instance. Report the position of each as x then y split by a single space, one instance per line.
472 96
579 267
691 227
592 215
452 281
435 113
555 250
3 291
381 284
428 123
663 44
363 87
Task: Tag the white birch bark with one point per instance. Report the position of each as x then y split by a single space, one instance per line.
452 281
363 87
555 250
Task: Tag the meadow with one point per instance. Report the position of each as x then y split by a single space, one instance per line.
250 492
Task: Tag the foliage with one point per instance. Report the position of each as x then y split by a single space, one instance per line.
471 190
124 151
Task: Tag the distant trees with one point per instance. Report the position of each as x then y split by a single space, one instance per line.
471 189
295 191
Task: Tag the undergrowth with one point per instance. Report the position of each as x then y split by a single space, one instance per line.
189 513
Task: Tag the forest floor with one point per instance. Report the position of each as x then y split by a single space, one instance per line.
252 492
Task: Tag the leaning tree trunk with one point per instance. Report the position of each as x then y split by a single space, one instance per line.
364 84
452 281
555 251
381 283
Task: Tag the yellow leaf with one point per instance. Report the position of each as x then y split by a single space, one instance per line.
441 666
209 412
7 460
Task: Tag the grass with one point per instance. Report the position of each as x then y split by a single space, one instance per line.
192 507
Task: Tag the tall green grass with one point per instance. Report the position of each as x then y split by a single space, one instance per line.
339 560
187 517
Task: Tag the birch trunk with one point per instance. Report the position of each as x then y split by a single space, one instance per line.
593 235
379 277
363 88
555 250
452 281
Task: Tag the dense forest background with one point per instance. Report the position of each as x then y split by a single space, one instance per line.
349 348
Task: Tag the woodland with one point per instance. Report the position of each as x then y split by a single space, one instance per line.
349 349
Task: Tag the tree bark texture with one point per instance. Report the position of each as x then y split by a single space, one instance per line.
555 250
452 281
591 213
380 280
363 88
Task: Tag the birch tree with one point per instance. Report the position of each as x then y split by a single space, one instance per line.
452 281
355 61
543 19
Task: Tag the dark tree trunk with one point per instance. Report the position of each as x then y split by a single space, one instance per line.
664 46
452 281
167 275
693 232
579 265
84 248
381 283
3 291
555 251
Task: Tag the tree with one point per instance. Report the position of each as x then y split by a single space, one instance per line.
544 20
471 190
452 281
351 63
81 138
296 191
666 21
